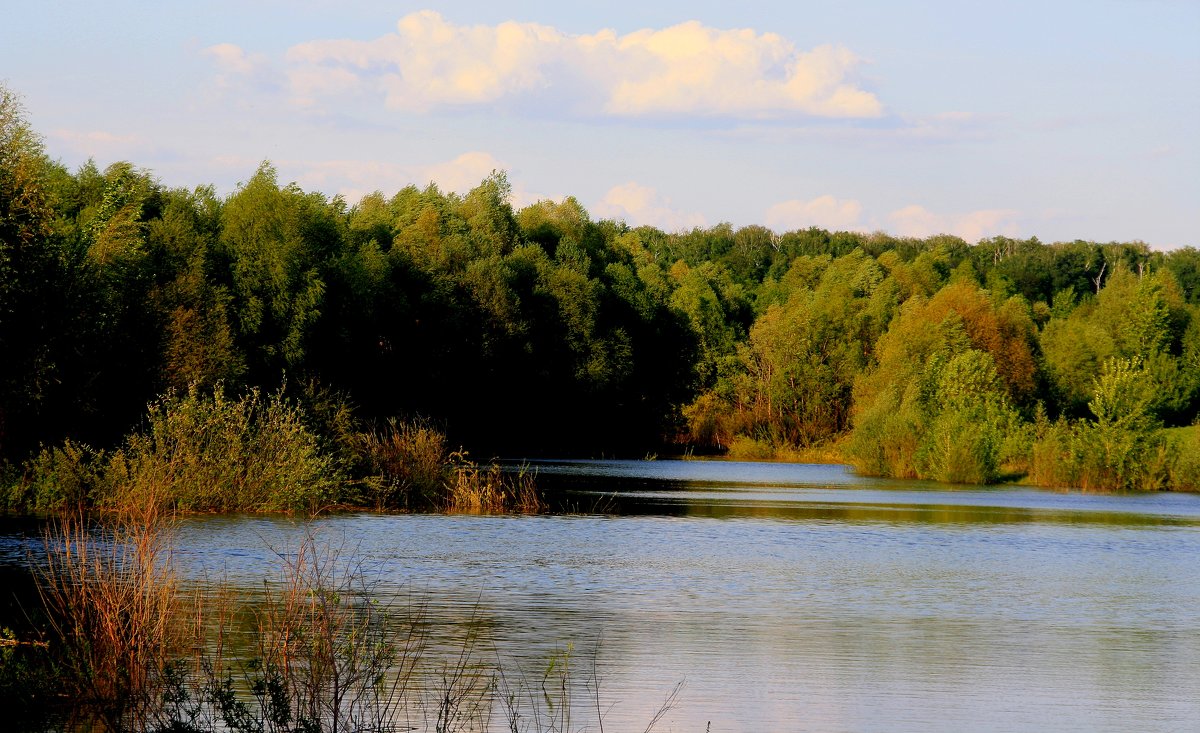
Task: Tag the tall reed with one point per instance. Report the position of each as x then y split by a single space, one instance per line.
112 602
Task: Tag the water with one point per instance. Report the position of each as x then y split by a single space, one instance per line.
800 598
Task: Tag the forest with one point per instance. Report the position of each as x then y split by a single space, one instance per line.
540 331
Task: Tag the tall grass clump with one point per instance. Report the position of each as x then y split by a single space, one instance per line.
326 655
111 597
473 488
408 466
317 651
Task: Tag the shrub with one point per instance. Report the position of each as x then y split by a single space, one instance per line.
887 436
746 448
1185 472
961 449
1052 459
213 453
63 477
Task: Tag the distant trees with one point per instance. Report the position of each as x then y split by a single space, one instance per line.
541 330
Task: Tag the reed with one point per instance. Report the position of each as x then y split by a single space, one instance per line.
489 489
405 464
113 606
324 653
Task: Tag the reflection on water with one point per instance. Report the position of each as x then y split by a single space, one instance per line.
796 598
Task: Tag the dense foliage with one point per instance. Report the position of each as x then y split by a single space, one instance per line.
540 330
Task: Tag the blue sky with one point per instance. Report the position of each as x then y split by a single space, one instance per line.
1060 120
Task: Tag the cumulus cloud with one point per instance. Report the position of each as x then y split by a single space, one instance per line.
687 69
640 205
232 58
825 212
917 221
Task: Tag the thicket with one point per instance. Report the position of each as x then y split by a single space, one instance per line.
207 452
541 331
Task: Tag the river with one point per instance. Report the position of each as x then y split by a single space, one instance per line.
797 597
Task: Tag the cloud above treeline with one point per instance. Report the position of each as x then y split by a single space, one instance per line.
912 220
638 205
689 69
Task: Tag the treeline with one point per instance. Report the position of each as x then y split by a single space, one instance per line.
541 331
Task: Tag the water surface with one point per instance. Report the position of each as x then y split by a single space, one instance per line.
802 598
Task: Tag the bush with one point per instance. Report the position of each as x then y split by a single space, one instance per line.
1052 459
1185 472
961 449
59 478
212 453
746 448
196 453
887 437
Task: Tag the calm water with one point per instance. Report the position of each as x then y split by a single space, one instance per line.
802 598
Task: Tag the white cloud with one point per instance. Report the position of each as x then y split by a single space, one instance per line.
464 172
231 58
640 205
236 68
826 212
917 221
687 69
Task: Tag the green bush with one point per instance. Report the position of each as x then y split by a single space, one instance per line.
746 448
59 478
197 452
887 436
213 453
1052 457
1185 471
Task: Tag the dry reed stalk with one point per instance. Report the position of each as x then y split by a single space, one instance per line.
113 605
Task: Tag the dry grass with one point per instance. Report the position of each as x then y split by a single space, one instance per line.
324 653
406 464
111 597
488 489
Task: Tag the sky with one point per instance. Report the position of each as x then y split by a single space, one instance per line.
1057 119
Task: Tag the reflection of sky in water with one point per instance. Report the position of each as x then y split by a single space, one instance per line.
864 605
